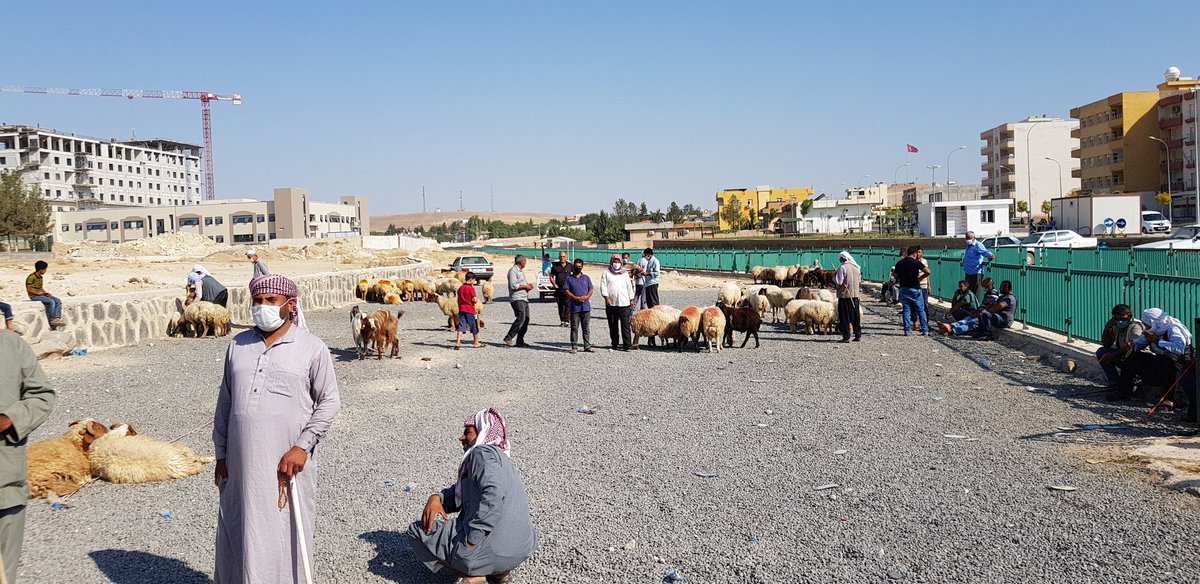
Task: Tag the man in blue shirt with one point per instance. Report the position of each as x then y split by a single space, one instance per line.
1166 339
973 259
652 273
578 289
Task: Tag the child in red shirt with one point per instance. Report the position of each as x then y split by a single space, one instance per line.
466 313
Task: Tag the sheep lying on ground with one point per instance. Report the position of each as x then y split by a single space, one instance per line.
729 295
815 314
392 298
712 325
778 299
199 319
488 291
655 322
379 291
689 327
60 465
741 319
124 456
356 325
380 329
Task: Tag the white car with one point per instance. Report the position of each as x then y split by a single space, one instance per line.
1000 241
1059 238
1183 238
1154 222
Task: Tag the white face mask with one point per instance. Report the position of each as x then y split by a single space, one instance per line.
266 318
616 265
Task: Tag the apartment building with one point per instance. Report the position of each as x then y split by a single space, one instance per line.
1030 160
757 199
1116 154
290 214
1178 126
77 172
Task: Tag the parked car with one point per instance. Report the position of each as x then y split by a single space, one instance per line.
1154 222
478 265
1000 241
1059 238
545 288
1183 238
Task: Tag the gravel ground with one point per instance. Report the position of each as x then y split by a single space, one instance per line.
616 495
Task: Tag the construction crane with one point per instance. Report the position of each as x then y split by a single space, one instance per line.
210 191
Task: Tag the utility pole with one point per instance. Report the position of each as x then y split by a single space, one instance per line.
460 202
491 198
423 208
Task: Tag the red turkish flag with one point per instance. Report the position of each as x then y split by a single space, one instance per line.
912 149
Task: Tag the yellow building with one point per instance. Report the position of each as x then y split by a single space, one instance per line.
1116 154
757 199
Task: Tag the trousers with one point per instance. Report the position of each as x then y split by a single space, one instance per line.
12 535
848 317
618 325
53 306
520 323
913 301
579 322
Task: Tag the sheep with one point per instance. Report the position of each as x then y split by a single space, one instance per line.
779 275
729 294
380 329
447 286
461 276
742 319
756 273
689 327
654 322
392 298
122 455
360 291
408 290
815 314
817 294
751 290
778 299
379 291
60 465
198 319
792 273
449 306
758 302
488 291
356 324
712 325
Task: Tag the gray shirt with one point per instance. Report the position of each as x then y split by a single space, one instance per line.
516 279
26 398
260 269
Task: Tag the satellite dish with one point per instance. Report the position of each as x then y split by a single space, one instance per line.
1172 74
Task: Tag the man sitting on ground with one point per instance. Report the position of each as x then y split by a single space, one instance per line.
963 304
998 314
1116 342
1167 340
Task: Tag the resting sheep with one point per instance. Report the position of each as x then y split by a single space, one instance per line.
712 325
124 456
741 319
689 327
60 465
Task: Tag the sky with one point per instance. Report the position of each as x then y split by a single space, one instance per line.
564 106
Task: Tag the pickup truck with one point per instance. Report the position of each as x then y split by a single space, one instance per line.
545 288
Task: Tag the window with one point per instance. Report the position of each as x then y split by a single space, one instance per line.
220 220
134 224
56 160
97 226
272 236
79 227
114 225
3 160
262 236
189 221
46 175
242 219
220 239
66 228
208 220
987 216
243 238
260 219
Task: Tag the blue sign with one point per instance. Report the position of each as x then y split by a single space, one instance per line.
1121 223
1108 222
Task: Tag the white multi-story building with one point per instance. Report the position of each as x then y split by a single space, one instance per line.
76 172
1030 160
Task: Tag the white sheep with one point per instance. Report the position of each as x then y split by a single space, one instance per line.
778 300
124 456
729 295
815 314
712 325
661 320
758 302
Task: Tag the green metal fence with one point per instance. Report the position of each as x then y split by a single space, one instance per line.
1066 290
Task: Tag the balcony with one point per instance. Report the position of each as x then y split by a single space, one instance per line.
1170 100
83 164
1173 144
1175 165
1171 122
1076 173
1075 152
1075 133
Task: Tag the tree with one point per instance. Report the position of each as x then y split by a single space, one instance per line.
1164 199
674 213
657 216
626 211
1046 207
772 215
806 206
643 212
1022 207
752 218
23 211
731 213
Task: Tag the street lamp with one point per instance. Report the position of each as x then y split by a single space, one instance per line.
1196 148
864 177
1029 169
933 174
897 173
1168 147
1060 194
948 164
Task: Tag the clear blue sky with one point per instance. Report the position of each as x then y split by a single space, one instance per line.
566 106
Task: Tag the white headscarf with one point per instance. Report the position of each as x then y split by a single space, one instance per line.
1157 321
849 259
490 429
199 269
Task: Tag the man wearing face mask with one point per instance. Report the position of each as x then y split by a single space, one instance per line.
1116 342
973 259
277 399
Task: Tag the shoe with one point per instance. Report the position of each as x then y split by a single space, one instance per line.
589 350
844 341
522 345
573 351
624 349
857 339
510 342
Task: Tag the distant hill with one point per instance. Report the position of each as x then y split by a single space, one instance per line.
410 220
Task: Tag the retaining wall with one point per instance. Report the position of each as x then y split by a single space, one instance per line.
117 320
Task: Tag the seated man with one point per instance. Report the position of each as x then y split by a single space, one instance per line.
1167 339
963 304
999 313
8 316
34 286
1116 342
493 533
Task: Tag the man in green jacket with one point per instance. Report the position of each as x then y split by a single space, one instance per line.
25 402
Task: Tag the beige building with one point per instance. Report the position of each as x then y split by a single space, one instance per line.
1115 151
1178 125
291 214
645 233
1030 160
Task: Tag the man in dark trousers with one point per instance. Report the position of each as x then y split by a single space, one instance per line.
848 280
558 278
909 273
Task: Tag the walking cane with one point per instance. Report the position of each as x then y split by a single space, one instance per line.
298 519
3 573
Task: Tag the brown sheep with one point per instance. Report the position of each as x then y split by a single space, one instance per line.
380 329
741 319
60 465
488 291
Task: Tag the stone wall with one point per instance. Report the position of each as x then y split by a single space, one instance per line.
117 320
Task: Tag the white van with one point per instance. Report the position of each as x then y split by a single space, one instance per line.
1154 222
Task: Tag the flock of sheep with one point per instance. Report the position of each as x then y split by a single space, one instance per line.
199 319
441 289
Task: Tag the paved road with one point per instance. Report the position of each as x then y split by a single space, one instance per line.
616 496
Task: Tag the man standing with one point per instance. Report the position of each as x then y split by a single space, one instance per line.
927 283
639 284
617 290
848 280
579 290
973 259
518 297
277 399
205 287
260 267
652 273
34 286
909 273
25 402
558 278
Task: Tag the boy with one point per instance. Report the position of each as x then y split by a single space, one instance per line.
34 287
466 313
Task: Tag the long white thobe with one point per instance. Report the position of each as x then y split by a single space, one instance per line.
271 400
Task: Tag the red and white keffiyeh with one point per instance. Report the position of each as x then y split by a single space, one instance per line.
490 430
